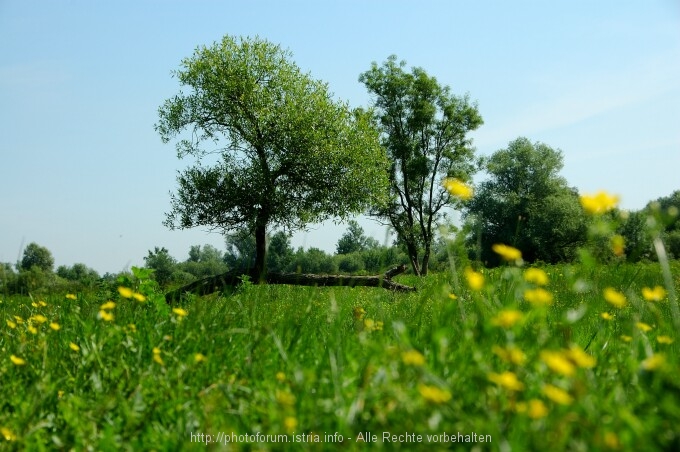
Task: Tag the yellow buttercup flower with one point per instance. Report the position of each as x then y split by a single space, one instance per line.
55 326
536 276
535 408
558 395
664 340
626 338
359 312
474 279
125 292
180 312
38 318
17 361
507 380
11 324
458 188
558 363
139 297
7 434
290 423
434 394
606 316
615 298
200 357
658 293
74 346
108 305
579 357
453 296
507 252
538 297
71 296
413 358
654 362
643 327
280 376
106 316
599 203
31 329
510 354
507 318
285 398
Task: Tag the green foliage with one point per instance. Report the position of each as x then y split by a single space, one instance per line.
313 260
355 240
289 153
162 264
37 256
279 252
423 128
79 273
526 204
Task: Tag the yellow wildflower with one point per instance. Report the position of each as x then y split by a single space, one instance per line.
558 363
18 319
453 296
580 357
611 440
125 292
106 316
510 354
38 318
108 305
413 358
290 423
42 303
131 328
156 351
139 297
536 276
599 203
643 327
458 188
285 398
615 298
280 376
507 380
507 252
654 362
664 340
17 361
11 324
507 318
7 434
618 244
474 279
538 297
31 329
180 312
55 326
606 316
71 296
73 346
537 409
200 357
434 394
158 359
359 312
658 293
626 338
558 395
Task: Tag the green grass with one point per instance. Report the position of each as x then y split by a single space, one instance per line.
284 360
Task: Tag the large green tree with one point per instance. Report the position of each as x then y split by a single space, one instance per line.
37 256
289 153
525 203
424 130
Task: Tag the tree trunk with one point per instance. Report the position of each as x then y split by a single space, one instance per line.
426 260
259 271
412 250
213 283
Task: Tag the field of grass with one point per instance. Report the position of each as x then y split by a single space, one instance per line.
469 357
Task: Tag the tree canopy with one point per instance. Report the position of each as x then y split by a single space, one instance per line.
37 256
289 154
525 203
424 129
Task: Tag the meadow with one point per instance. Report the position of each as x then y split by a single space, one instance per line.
565 357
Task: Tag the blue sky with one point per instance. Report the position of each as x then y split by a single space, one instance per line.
83 172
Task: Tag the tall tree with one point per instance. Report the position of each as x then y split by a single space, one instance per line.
37 256
525 203
289 154
424 128
354 240
162 263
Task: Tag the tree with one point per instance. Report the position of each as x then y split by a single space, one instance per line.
162 263
240 252
289 154
78 272
526 204
37 256
354 240
424 130
279 252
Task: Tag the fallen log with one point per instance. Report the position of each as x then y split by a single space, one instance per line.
233 278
